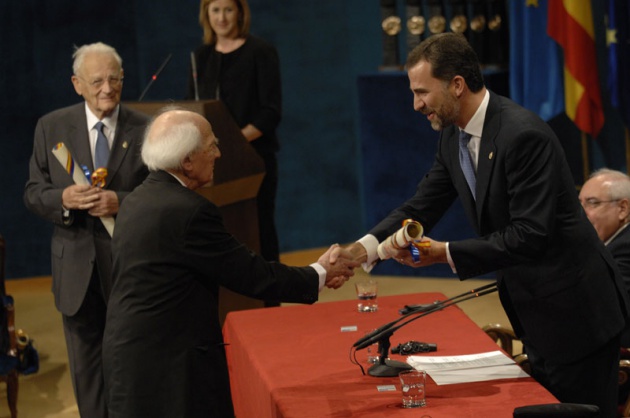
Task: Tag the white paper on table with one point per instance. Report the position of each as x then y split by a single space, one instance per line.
67 162
445 370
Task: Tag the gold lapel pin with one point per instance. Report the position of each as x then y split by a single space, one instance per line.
125 145
490 155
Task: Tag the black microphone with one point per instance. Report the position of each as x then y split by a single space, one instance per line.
193 66
431 307
425 307
389 368
154 77
387 332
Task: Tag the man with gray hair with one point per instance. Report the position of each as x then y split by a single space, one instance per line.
605 197
163 351
98 133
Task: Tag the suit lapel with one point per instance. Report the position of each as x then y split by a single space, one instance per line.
487 151
120 146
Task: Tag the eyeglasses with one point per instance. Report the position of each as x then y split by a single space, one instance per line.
594 203
114 82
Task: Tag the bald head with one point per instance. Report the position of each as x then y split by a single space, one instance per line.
179 141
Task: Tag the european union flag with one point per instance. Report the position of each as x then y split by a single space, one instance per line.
536 65
618 42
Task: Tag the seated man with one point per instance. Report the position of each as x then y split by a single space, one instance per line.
606 200
163 351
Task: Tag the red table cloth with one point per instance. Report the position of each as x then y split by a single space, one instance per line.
294 362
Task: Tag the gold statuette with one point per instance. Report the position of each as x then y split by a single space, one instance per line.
437 24
478 23
391 25
416 25
495 23
459 24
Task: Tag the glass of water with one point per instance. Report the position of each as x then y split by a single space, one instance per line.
412 386
366 295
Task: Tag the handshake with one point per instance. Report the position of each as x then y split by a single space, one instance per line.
407 246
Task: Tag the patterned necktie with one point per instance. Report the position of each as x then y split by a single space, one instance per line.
465 160
101 152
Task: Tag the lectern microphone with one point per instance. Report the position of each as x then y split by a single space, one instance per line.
154 77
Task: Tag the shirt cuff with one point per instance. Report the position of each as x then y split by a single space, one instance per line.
321 272
370 243
449 259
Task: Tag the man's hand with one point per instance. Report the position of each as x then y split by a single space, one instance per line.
106 204
82 197
431 252
339 264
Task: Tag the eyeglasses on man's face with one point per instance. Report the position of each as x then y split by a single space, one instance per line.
97 83
593 203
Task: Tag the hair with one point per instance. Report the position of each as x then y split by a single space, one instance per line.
168 148
95 48
209 37
619 183
450 55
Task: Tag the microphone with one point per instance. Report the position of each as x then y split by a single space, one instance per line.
425 307
154 77
389 368
388 329
193 66
435 306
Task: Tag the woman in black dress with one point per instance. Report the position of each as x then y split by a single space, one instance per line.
243 72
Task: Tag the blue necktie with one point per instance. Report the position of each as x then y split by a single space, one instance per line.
465 160
101 152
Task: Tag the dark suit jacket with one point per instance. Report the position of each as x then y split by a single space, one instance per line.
620 250
163 349
557 282
78 243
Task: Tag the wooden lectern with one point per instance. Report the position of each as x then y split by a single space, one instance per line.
237 178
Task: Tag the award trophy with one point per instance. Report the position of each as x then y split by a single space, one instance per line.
391 27
415 24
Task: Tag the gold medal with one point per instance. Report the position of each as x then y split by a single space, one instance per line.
459 24
437 24
495 23
416 25
391 25
478 23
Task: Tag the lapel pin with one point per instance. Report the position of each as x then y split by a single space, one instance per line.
490 155
125 145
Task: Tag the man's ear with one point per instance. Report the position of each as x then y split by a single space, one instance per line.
459 84
187 164
624 208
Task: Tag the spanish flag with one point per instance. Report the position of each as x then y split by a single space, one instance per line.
570 23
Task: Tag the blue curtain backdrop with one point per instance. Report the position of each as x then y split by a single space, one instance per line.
324 47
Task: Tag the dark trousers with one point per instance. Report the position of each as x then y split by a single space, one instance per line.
592 380
84 337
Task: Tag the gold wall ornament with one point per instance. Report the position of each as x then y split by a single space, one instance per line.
459 24
416 25
437 24
391 25
478 23
494 24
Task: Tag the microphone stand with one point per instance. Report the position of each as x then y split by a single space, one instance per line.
391 368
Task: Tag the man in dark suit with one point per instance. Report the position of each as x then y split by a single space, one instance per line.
605 197
81 253
163 350
557 283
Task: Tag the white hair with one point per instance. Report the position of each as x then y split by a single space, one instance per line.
167 149
619 187
95 48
